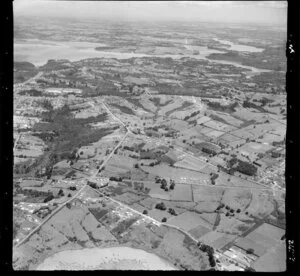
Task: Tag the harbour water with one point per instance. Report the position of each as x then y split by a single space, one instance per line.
39 52
239 47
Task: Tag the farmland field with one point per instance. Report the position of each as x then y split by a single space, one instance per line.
182 193
273 260
188 221
199 231
141 127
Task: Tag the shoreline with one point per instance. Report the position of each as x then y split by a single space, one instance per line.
73 53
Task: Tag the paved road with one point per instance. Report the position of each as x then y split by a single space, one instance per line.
204 160
111 154
147 217
126 206
156 222
114 116
75 196
39 74
50 216
229 187
17 141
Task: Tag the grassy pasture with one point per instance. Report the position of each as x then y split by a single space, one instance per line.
207 194
272 231
246 243
181 193
199 231
217 239
272 261
188 221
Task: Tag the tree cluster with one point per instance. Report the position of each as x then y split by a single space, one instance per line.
31 92
61 192
172 212
163 184
48 198
92 184
209 151
129 148
161 206
117 179
192 115
275 154
224 108
242 166
210 252
172 184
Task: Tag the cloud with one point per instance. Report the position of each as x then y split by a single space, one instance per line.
217 11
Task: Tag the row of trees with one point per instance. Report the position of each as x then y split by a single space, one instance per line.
248 104
31 92
129 148
192 115
152 164
224 108
117 179
209 151
92 185
48 198
46 136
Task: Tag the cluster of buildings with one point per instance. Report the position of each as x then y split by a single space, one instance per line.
234 259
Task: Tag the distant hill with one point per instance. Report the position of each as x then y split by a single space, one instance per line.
23 71
24 66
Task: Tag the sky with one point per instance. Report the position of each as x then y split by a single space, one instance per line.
260 12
